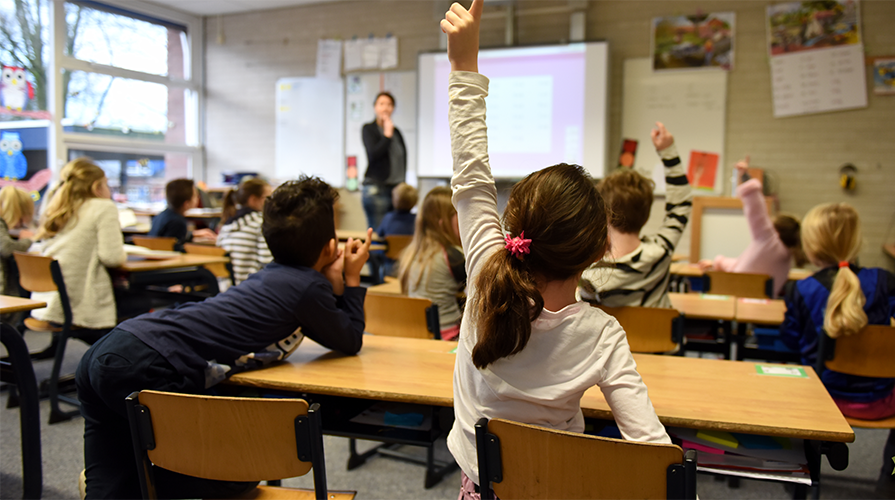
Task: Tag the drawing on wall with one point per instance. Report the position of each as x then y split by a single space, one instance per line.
702 170
697 41
884 76
801 26
629 150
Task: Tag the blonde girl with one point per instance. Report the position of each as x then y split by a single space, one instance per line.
528 349
841 299
81 231
433 266
16 212
241 233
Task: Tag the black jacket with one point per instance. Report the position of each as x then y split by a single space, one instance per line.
377 145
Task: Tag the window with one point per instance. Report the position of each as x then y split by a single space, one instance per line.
138 179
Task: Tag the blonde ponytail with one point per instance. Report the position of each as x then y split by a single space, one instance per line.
76 182
831 235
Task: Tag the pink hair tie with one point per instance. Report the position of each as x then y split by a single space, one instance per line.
517 246
843 263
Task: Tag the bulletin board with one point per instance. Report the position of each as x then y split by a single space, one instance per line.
360 92
691 104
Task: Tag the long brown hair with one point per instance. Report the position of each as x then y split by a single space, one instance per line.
564 216
16 206
76 182
432 233
247 188
831 233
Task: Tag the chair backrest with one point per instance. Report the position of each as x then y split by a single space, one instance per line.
401 316
396 243
649 329
526 461
746 285
218 270
155 242
43 274
227 439
868 353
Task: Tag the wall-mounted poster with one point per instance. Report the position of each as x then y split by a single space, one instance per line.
702 170
801 26
884 76
697 41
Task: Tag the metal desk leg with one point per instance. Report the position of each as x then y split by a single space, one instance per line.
20 372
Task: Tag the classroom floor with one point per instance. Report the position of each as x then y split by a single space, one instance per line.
379 478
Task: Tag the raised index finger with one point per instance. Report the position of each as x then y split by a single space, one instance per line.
369 239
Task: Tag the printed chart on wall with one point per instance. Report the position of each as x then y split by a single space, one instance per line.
817 58
692 106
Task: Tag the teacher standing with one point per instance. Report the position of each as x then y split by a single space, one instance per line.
386 160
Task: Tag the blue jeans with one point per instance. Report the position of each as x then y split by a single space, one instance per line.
377 201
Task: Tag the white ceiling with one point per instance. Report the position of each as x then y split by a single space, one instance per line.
215 7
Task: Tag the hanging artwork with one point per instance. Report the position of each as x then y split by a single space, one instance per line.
697 41
804 26
884 76
702 170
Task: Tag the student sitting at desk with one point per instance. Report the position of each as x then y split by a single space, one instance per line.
16 212
399 221
528 350
182 196
241 233
193 347
774 243
433 266
841 298
635 271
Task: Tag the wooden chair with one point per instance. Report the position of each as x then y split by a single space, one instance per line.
401 316
868 353
155 242
745 285
218 270
229 439
42 274
650 329
396 243
523 461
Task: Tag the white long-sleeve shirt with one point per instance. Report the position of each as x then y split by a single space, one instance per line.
569 350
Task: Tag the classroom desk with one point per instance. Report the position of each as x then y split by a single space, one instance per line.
185 260
688 270
390 287
686 392
760 311
344 234
139 228
17 369
704 306
193 213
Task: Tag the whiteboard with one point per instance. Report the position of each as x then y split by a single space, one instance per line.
310 129
692 106
359 96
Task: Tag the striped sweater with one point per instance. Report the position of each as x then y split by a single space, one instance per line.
640 278
241 237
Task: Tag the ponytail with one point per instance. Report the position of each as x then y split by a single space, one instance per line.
229 209
506 301
845 307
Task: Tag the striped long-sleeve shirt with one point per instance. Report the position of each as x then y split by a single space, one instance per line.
241 237
640 278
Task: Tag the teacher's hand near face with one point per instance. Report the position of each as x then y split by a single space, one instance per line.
388 126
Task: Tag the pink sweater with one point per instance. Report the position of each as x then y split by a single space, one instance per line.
766 254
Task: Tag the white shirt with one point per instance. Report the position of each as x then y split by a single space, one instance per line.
569 350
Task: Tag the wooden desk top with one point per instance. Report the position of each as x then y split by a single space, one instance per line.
692 271
762 311
185 260
139 228
686 392
704 306
344 234
193 213
387 288
16 304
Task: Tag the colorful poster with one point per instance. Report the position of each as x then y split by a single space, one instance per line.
702 170
802 26
629 150
698 41
884 75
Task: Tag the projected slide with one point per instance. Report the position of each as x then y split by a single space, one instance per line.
546 105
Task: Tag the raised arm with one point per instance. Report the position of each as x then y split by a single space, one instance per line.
473 185
678 193
754 206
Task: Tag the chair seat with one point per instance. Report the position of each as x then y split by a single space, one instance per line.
37 325
886 423
276 492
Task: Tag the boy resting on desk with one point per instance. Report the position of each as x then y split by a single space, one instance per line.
635 270
182 196
194 346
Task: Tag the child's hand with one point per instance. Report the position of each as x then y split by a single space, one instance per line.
742 166
661 137
356 254
206 234
333 273
705 265
462 28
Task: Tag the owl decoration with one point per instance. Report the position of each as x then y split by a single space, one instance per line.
15 89
13 165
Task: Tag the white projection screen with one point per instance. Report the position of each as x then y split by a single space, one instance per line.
546 105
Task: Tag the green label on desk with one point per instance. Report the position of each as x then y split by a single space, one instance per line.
781 371
453 351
